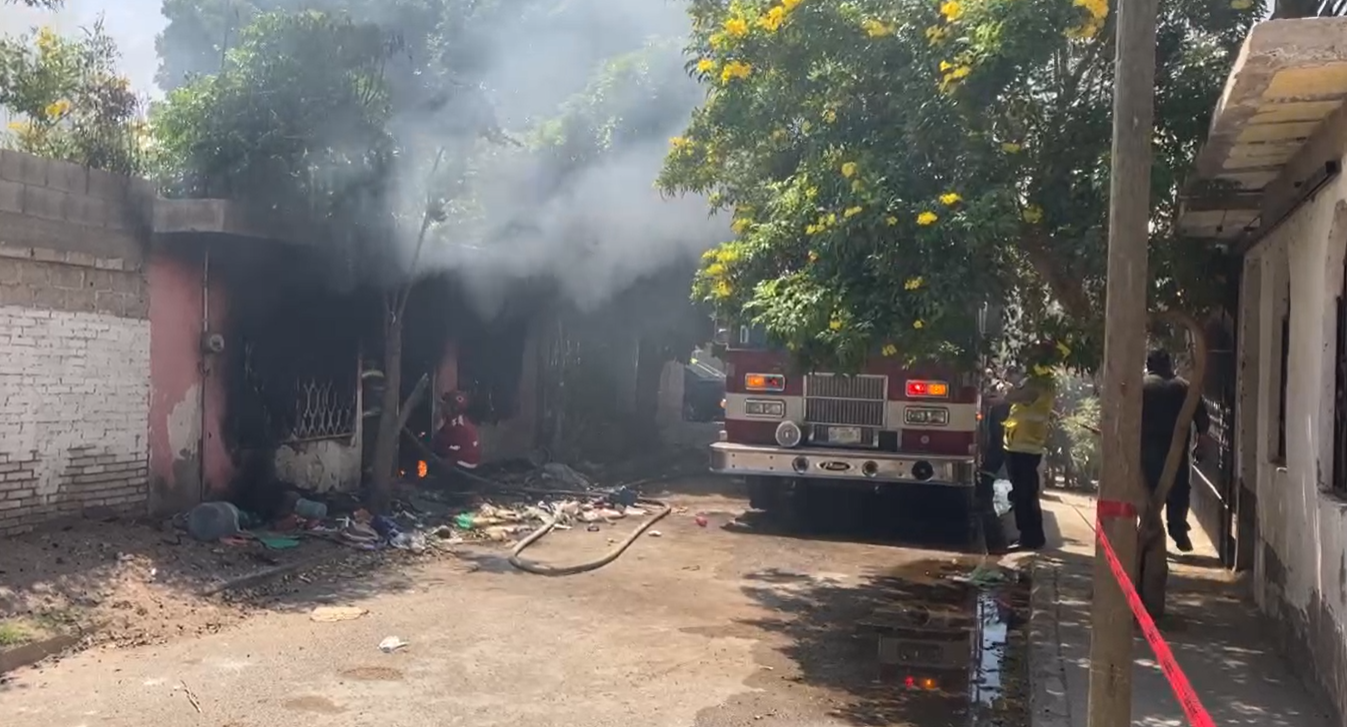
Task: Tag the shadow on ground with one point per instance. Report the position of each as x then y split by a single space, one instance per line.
1223 644
900 647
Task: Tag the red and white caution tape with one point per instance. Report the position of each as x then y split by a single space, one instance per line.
1178 681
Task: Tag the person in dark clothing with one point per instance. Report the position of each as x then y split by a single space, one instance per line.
1162 396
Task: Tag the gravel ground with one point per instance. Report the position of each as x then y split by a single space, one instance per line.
715 625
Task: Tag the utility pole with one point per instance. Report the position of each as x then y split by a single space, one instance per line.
1124 357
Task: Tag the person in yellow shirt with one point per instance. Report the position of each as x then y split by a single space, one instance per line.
1026 438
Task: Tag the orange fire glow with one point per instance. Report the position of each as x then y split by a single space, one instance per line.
422 469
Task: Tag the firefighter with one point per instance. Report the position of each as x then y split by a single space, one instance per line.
456 440
1026 438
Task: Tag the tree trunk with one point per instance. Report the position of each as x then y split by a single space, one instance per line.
386 443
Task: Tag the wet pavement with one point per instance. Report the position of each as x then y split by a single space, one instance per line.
736 623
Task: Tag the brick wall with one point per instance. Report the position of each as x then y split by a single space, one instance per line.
74 343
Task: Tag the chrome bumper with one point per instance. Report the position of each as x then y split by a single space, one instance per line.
840 464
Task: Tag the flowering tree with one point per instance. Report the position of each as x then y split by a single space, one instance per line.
68 100
891 164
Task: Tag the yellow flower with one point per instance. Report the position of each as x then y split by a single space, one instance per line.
927 218
1063 349
831 219
959 72
736 27
835 324
679 142
735 69
952 10
1011 147
1098 9
914 283
772 20
945 66
851 212
812 229
790 5
1033 214
47 40
890 350
830 116
918 325
706 65
810 192
949 199
20 127
849 170
876 29
721 289
740 225
57 109
1241 4
935 34
890 220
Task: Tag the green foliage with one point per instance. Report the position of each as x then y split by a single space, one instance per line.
69 102
297 116
892 164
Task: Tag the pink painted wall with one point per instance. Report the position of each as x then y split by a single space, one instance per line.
178 374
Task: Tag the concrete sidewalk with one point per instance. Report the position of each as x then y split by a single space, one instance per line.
1217 635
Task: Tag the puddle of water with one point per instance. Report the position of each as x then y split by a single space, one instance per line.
993 636
955 649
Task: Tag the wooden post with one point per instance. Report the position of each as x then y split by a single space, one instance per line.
1110 693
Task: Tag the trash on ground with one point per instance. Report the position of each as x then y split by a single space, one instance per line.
335 614
213 520
276 542
982 576
656 534
701 521
566 476
391 644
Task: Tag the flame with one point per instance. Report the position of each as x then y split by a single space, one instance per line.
422 469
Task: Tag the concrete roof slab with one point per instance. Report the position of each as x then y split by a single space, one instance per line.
1289 77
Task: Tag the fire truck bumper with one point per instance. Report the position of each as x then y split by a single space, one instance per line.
865 466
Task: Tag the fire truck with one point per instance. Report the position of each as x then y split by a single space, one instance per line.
887 426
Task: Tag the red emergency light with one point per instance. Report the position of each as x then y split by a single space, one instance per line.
919 389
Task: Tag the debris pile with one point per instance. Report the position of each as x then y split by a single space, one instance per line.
426 519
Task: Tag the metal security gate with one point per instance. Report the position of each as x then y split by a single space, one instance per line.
1214 479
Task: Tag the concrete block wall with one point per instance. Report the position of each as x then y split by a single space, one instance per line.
74 342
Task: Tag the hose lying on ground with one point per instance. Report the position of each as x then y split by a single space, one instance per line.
539 568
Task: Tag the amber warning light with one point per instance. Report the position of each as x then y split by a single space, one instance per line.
927 389
764 382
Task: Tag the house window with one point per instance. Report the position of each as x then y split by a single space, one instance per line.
1281 387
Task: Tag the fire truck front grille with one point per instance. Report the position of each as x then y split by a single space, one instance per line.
847 400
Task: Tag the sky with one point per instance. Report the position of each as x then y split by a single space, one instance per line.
132 23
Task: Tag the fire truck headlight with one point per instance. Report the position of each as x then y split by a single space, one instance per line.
766 408
788 434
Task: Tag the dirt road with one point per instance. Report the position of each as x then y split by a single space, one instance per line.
701 626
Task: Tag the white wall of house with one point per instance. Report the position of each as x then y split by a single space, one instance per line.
1300 553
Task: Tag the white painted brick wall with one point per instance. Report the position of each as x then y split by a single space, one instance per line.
74 413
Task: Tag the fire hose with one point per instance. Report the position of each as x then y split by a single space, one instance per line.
547 570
